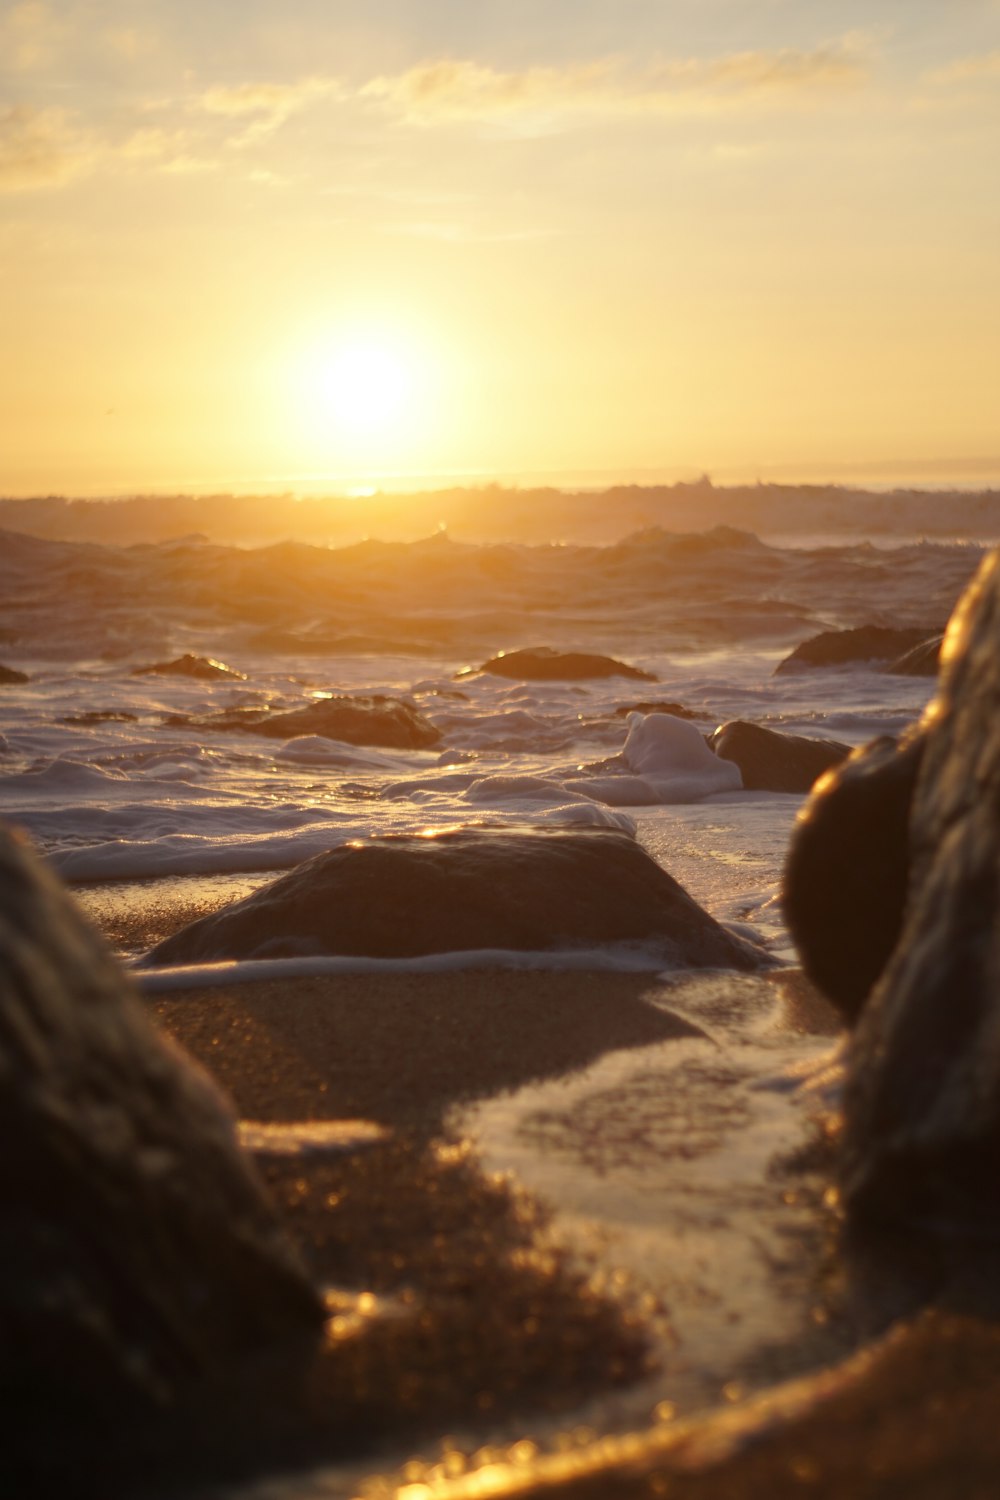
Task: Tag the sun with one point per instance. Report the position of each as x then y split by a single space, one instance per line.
367 388
366 401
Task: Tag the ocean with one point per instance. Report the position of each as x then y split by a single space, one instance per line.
154 798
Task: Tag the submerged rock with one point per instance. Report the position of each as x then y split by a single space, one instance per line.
847 869
545 664
191 666
837 648
140 1256
922 661
388 723
773 762
400 896
922 1108
11 675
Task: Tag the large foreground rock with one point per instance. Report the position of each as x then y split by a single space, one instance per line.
922 1109
847 870
773 762
139 1256
405 895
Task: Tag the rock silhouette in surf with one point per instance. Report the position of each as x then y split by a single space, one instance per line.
545 664
922 1104
846 874
774 762
385 723
922 661
837 648
406 895
202 667
140 1256
11 676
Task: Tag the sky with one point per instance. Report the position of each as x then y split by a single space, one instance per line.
282 244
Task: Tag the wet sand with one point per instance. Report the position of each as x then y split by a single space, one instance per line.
476 1344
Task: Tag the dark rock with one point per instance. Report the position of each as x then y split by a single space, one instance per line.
774 762
388 723
676 709
837 648
191 666
922 661
10 675
140 1257
545 664
524 889
846 874
922 1107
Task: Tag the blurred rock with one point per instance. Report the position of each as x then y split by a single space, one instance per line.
399 896
140 1256
773 762
846 874
922 1108
10 675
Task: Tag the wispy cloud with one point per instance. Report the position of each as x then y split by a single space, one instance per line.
40 148
461 89
982 68
265 106
30 34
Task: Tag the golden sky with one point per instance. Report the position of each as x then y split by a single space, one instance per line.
288 243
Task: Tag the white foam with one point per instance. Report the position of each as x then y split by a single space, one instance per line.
618 958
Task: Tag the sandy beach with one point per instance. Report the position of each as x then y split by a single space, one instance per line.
479 1343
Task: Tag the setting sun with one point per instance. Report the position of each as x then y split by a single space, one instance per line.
367 387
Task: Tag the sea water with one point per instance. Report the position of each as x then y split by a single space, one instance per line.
153 815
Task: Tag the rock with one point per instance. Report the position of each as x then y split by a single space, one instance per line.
922 661
922 1106
389 723
191 666
837 648
400 896
774 762
846 873
9 675
544 664
140 1256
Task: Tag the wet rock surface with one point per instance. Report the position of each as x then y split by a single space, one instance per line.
922 1108
836 648
140 1256
545 664
387 723
922 661
847 870
773 762
11 676
201 667
466 889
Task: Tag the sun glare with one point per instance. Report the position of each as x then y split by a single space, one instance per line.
363 402
367 387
